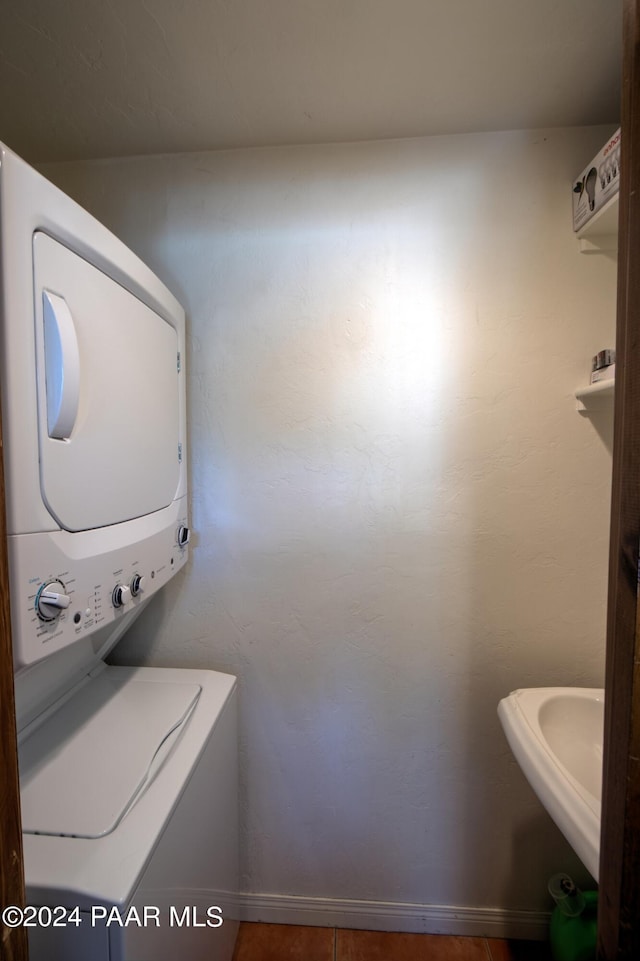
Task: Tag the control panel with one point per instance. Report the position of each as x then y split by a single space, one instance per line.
64 599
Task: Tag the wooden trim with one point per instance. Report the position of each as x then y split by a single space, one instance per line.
619 910
13 941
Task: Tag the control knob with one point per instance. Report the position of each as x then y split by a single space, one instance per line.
137 584
120 595
51 600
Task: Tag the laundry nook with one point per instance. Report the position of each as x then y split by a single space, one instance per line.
128 775
319 326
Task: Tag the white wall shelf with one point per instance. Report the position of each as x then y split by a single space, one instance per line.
600 234
595 396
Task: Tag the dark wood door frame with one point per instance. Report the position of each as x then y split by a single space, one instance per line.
13 941
619 912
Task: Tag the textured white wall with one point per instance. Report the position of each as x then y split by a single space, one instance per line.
400 515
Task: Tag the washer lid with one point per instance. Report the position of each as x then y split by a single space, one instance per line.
85 766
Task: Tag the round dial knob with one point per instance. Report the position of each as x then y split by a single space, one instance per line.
183 535
120 595
51 600
137 584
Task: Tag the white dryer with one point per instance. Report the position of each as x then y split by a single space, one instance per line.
128 775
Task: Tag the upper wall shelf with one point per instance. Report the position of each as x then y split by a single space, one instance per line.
600 234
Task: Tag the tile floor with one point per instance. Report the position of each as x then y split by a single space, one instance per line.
282 942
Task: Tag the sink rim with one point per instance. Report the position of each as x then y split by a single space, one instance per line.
571 805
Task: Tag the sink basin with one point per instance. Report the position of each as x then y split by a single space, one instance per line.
556 735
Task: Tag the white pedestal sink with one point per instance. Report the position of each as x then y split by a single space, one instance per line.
556 735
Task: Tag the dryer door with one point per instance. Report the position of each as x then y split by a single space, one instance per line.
108 395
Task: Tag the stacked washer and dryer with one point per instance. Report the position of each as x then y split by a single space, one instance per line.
128 775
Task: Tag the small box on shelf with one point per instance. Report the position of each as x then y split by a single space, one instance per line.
598 182
604 373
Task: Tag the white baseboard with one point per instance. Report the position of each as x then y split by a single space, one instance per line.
393 916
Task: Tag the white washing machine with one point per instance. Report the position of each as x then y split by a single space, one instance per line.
128 776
